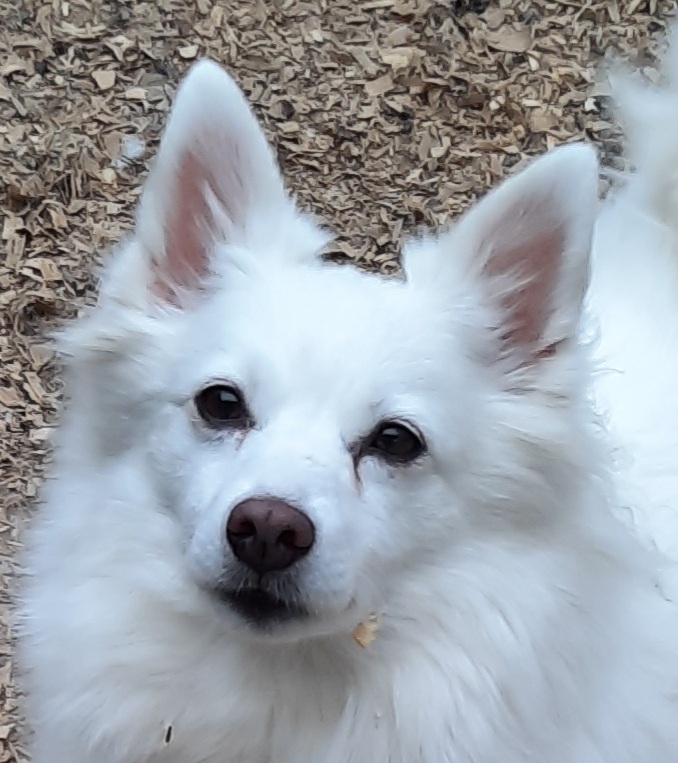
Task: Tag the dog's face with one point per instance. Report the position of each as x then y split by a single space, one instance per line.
311 449
317 433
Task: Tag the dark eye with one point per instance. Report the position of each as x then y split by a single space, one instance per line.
396 442
222 406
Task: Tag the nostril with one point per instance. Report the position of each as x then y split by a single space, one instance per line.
287 538
292 539
242 528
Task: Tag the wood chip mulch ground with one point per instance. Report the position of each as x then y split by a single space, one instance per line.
386 114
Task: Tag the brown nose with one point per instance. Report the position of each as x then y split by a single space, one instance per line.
267 534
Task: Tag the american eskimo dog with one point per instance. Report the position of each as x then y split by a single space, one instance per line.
305 514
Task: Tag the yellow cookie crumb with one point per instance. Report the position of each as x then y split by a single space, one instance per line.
364 633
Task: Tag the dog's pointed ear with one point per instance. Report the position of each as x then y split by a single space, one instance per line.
529 243
214 171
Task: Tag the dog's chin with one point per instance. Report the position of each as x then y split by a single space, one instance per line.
261 610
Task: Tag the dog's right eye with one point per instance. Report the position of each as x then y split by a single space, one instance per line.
222 406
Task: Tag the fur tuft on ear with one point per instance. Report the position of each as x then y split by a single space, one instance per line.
214 173
527 245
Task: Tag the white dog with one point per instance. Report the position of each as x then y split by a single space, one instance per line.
261 451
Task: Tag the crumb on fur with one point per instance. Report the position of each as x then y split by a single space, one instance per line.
364 633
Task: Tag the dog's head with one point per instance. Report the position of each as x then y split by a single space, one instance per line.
320 434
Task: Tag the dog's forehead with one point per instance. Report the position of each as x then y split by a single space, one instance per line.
322 325
334 310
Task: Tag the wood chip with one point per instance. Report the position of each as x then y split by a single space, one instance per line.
509 40
188 52
136 94
379 86
105 78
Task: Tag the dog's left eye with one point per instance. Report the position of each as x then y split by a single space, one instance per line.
395 442
222 406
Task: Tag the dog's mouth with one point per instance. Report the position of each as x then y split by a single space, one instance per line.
261 608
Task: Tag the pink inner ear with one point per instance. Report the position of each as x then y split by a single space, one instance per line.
534 263
189 220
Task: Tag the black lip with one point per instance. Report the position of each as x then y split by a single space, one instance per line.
261 608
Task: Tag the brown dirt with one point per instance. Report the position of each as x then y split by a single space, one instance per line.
386 115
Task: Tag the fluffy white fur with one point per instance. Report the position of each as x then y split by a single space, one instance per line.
522 568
